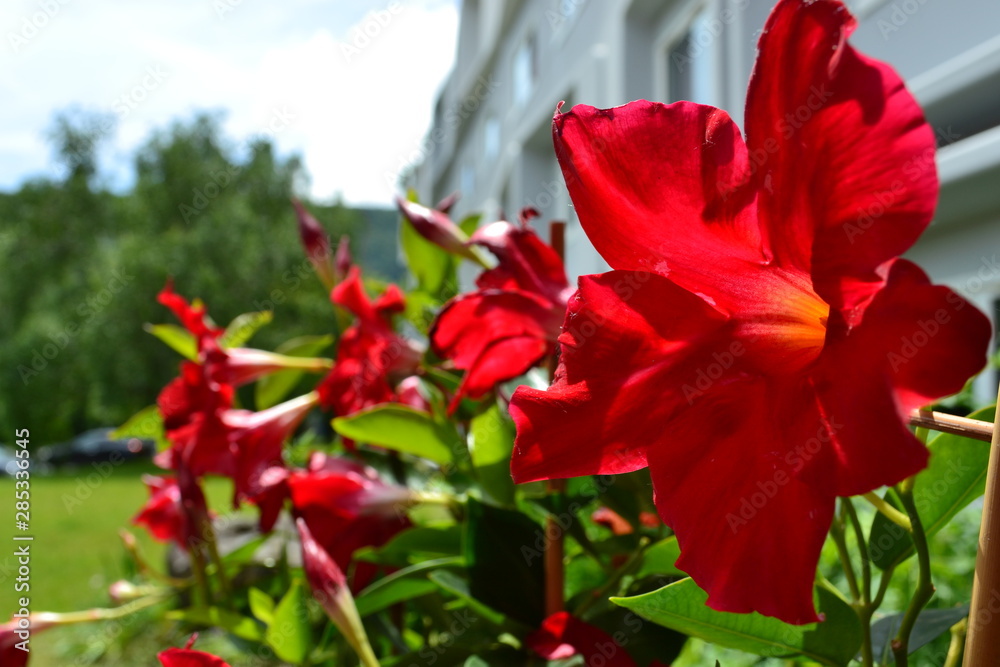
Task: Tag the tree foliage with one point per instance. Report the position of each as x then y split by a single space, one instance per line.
80 265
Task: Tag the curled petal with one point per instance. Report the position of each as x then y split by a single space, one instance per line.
841 151
662 188
494 336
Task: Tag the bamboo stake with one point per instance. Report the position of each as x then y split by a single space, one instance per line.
942 421
554 552
982 646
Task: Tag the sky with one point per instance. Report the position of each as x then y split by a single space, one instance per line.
348 85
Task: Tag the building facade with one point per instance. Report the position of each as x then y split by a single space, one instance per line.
517 59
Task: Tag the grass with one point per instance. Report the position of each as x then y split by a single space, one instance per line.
76 552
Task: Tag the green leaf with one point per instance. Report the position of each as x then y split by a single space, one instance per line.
261 605
681 607
233 623
955 476
470 223
289 633
414 545
491 442
401 428
146 424
459 587
433 267
931 624
503 550
272 388
393 593
659 559
243 327
178 338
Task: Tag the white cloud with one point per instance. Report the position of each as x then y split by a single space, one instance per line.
357 79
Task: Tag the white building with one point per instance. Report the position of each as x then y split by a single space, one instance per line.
517 59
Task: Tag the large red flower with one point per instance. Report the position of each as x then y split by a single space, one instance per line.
513 320
758 345
372 359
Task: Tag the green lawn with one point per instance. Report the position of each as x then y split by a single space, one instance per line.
77 553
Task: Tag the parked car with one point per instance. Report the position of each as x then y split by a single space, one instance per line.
94 446
8 461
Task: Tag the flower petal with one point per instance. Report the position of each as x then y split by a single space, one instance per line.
750 531
662 188
631 347
494 336
916 343
563 636
525 262
840 149
182 657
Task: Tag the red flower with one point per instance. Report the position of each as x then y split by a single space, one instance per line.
187 657
563 636
371 358
10 654
612 520
347 506
175 509
330 267
256 439
194 403
758 345
329 586
512 321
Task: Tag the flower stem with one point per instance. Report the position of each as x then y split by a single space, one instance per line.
955 648
627 567
925 587
101 614
889 511
837 532
554 551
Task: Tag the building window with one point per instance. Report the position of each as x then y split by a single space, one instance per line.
525 70
467 180
693 62
491 138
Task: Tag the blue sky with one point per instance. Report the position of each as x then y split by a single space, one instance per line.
348 85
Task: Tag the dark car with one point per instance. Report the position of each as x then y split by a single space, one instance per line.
94 446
